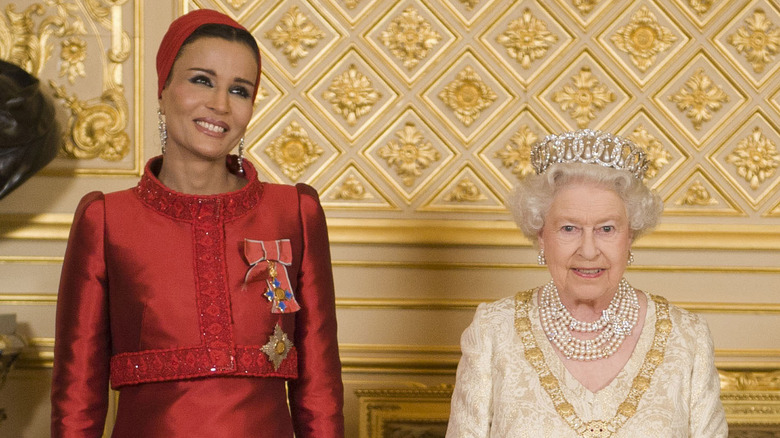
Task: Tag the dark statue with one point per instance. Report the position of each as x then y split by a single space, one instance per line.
29 136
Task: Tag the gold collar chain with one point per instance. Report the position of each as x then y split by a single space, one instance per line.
626 409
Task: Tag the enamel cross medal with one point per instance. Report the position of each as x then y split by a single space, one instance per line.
282 300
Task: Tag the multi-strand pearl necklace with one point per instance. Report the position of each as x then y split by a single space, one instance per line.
615 324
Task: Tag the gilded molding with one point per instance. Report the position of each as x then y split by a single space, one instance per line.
696 195
758 40
296 34
411 154
465 191
585 6
469 4
756 158
352 189
700 6
467 95
750 380
410 37
294 151
44 260
436 391
699 98
583 97
657 155
643 38
516 155
526 39
748 159
237 4
29 47
351 94
96 127
407 412
28 299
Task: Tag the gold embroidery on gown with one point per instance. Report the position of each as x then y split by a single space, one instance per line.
626 409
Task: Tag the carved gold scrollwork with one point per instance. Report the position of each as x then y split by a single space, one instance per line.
410 155
756 158
585 6
470 4
410 37
759 41
516 155
657 156
351 4
467 95
749 380
296 33
643 38
352 189
72 55
526 39
237 4
584 97
294 151
465 191
700 6
352 95
697 195
24 45
700 98
96 128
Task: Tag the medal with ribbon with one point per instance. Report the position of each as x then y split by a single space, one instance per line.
268 260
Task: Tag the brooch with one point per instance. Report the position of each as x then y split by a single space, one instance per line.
268 261
277 347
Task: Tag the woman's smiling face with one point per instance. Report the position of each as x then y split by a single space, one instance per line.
208 100
586 241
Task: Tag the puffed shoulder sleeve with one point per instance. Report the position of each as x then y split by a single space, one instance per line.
82 342
317 395
707 416
471 409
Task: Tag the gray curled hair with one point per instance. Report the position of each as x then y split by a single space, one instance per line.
533 196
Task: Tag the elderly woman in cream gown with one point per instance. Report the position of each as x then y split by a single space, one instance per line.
586 355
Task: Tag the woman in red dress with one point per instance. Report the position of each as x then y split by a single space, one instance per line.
203 295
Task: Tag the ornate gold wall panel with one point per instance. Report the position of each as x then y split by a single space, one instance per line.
427 108
68 44
413 119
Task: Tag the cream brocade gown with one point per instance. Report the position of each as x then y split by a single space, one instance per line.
498 392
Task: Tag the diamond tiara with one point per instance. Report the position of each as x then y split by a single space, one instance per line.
590 147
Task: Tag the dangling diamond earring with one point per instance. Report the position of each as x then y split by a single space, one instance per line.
630 257
163 130
540 258
241 156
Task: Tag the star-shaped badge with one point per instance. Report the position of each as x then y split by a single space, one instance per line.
277 347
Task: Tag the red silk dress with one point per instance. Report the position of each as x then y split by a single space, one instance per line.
198 309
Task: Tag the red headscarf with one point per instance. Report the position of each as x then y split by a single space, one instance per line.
180 29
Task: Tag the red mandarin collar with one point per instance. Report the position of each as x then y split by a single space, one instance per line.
223 206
